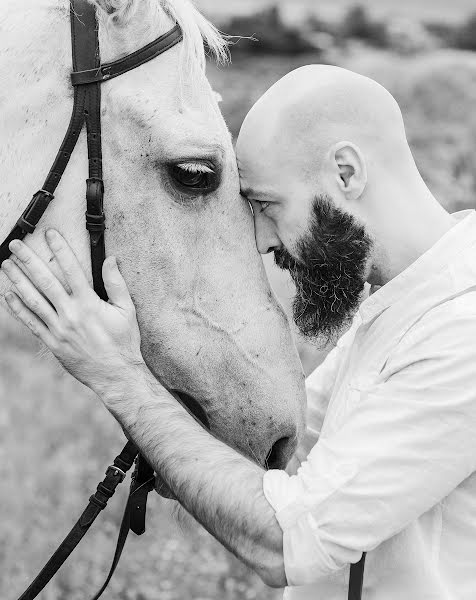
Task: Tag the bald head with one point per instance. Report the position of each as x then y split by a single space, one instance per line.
315 107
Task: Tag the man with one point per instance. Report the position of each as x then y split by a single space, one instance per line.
325 163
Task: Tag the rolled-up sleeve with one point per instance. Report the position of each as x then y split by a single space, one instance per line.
406 443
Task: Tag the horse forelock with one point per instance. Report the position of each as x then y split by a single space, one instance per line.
197 30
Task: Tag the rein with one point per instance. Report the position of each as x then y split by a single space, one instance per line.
86 78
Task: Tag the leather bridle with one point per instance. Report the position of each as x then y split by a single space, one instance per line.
86 78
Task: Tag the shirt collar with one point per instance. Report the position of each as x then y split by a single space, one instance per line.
438 256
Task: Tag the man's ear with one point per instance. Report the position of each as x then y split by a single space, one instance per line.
350 169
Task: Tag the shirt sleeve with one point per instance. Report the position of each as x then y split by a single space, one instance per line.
407 442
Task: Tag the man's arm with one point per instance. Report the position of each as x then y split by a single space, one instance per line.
222 489
99 344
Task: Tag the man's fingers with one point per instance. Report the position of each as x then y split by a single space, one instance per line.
68 262
24 314
115 285
40 275
37 303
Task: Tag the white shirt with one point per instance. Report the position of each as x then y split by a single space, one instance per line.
393 471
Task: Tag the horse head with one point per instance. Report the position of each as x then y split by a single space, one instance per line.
211 328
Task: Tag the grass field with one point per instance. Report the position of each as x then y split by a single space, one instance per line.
57 440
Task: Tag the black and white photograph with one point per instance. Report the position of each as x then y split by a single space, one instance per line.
238 300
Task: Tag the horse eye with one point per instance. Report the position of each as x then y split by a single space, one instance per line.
197 177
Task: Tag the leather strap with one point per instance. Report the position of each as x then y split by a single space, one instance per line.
110 70
356 579
96 225
105 490
85 43
82 37
142 483
29 219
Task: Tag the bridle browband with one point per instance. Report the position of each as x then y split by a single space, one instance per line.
86 78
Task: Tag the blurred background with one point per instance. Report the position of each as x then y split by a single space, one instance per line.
57 441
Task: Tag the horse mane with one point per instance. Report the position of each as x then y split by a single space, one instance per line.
198 32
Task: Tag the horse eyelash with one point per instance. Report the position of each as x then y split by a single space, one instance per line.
191 167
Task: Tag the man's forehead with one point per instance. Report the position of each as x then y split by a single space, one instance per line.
249 171
257 182
255 155
262 158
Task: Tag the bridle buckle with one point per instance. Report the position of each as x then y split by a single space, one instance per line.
113 470
34 211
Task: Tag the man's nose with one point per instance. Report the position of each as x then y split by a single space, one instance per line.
267 239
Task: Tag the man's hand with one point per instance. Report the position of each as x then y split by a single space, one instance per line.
93 340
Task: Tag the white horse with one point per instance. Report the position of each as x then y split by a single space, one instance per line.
211 328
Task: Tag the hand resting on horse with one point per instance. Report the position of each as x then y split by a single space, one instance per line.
99 344
92 339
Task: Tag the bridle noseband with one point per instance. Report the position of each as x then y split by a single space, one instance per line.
86 78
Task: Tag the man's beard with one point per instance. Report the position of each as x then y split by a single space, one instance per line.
329 273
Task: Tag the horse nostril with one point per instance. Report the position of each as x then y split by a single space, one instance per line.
280 453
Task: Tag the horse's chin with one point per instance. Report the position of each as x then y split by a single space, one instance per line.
194 408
